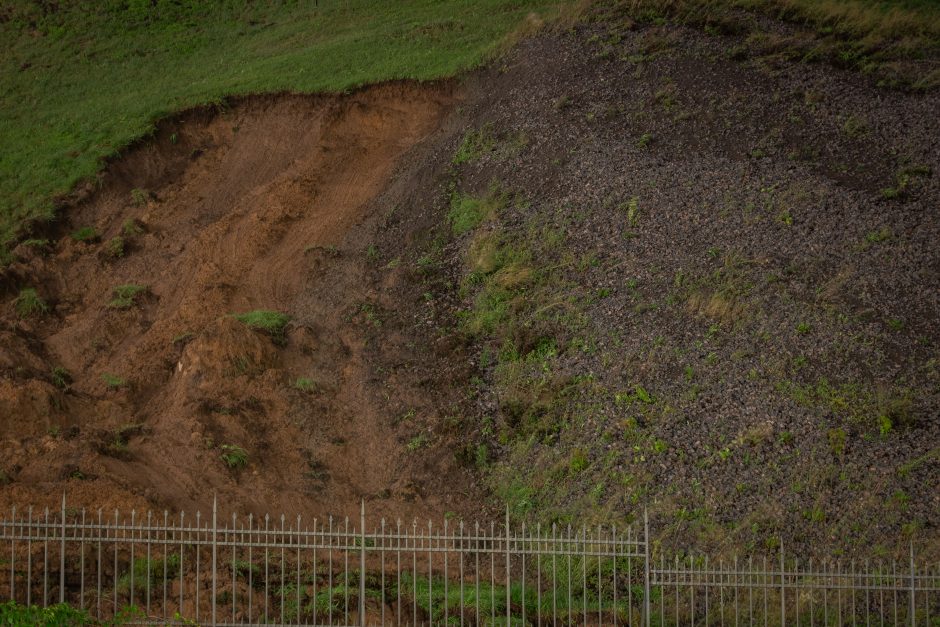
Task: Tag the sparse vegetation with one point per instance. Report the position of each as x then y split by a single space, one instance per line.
273 323
85 234
140 196
113 381
125 296
130 228
61 378
29 304
475 144
61 614
304 384
234 456
418 442
115 247
468 212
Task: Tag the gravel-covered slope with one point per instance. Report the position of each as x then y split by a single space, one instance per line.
710 285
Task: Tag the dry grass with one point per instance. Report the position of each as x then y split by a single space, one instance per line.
898 42
715 305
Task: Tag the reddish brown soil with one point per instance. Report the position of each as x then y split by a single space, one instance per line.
263 205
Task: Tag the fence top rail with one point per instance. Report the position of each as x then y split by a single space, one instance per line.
344 534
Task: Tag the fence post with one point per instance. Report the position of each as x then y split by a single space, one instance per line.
362 563
62 556
913 584
215 543
508 574
783 589
646 567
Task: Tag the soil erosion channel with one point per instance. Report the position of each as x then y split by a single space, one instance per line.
263 206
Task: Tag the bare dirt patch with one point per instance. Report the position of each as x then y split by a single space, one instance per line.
260 205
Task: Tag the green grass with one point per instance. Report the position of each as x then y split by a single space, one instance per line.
113 381
149 572
85 234
467 212
61 378
125 296
272 322
81 81
28 303
234 456
305 384
12 613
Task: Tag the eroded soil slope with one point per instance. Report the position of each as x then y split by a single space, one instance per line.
260 206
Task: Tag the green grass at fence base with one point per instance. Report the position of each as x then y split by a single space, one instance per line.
61 615
80 81
429 596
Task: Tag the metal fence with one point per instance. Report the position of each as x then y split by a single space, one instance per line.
158 569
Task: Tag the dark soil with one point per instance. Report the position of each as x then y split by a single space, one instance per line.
776 294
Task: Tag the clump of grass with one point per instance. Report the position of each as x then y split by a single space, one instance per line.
644 140
85 234
234 456
130 228
304 384
467 212
578 461
632 209
149 573
125 296
907 180
140 196
475 144
418 442
61 378
115 247
877 237
28 303
855 126
271 322
113 381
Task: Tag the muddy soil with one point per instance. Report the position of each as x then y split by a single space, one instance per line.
265 204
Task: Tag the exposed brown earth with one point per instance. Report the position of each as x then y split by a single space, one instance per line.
263 205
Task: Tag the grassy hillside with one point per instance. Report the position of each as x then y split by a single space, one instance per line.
79 80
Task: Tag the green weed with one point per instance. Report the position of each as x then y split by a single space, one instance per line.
234 456
61 378
85 234
468 212
140 196
28 303
475 144
130 228
113 381
272 322
125 296
304 384
115 247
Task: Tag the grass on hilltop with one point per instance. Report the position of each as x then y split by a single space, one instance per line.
80 81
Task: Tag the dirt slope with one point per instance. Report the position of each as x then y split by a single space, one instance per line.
635 267
261 205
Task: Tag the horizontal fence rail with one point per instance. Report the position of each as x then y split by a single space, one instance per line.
157 569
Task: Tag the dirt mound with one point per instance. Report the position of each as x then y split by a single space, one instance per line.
137 387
